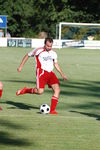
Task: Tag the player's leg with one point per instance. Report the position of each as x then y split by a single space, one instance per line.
54 84
34 90
55 98
26 90
1 90
40 91
40 84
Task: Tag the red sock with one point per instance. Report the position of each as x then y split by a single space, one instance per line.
1 93
54 102
30 90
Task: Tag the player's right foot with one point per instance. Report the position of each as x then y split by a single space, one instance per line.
53 112
21 91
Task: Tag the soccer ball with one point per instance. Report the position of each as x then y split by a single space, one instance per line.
44 109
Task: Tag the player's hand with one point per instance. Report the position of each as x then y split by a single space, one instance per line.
19 69
64 77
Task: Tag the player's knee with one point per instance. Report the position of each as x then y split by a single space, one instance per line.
1 85
57 90
40 91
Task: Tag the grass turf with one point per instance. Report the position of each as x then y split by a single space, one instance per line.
76 127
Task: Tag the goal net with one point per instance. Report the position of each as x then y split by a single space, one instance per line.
82 35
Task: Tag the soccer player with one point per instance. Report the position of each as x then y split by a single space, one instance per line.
1 90
46 60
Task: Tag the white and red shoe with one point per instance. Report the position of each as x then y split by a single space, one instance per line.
21 91
53 112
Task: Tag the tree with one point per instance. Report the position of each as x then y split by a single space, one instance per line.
85 11
29 18
19 14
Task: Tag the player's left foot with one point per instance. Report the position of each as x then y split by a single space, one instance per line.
20 92
53 112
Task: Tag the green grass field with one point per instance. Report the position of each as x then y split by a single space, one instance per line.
76 127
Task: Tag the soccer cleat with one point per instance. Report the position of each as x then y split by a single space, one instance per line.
53 112
22 91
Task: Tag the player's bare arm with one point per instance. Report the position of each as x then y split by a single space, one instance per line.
60 71
22 63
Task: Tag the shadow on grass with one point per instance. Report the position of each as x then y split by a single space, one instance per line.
72 88
88 105
11 125
19 81
90 109
88 114
80 88
93 106
20 105
8 139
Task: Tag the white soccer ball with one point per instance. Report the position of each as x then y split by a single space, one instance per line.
44 109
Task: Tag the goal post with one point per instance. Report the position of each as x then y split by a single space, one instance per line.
78 34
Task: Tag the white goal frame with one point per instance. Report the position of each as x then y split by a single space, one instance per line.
74 25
